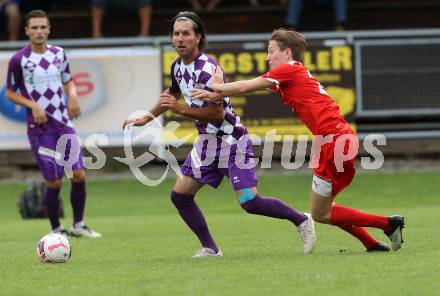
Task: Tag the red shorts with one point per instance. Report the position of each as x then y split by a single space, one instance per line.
336 162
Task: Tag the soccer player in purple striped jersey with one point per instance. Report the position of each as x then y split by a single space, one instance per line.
213 120
38 77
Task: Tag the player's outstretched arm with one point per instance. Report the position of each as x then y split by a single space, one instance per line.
236 87
222 90
206 95
37 112
154 112
212 113
241 86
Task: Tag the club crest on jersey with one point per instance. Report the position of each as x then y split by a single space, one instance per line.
179 76
194 79
30 66
57 62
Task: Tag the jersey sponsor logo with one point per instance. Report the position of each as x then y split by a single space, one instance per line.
46 79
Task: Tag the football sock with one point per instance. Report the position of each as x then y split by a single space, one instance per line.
52 201
78 224
193 217
341 215
58 229
273 207
78 200
361 234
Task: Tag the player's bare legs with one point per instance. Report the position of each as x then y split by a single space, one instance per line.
97 16
187 185
353 221
13 12
253 203
145 19
182 197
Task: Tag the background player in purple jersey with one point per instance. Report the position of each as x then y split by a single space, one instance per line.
38 77
217 125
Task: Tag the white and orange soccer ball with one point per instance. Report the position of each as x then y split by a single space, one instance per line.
53 248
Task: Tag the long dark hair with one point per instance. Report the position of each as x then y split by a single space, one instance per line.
198 26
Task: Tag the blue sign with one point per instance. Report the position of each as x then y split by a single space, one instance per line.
11 110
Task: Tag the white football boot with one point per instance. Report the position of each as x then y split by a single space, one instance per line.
207 252
84 231
60 230
306 231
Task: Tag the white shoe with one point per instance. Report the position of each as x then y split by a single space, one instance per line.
306 231
207 252
62 231
84 231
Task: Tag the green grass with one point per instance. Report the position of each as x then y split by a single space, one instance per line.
146 247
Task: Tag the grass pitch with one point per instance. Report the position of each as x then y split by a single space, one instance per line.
146 246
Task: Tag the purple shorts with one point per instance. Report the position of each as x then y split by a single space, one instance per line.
208 163
52 162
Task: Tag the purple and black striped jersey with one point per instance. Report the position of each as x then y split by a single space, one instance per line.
198 74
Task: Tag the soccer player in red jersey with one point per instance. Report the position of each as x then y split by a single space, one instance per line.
335 144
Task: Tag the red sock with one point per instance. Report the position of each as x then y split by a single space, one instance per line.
361 234
341 215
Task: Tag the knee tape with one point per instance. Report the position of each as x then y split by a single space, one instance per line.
246 195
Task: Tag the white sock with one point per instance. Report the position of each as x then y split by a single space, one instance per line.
58 229
78 224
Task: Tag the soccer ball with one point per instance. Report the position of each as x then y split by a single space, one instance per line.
53 248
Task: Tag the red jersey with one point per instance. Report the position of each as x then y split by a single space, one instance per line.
307 98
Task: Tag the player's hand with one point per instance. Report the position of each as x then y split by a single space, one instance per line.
39 114
134 122
217 76
73 108
205 95
169 101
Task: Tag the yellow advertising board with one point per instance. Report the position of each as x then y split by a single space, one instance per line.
263 111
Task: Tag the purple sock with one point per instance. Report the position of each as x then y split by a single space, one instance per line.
273 207
52 201
78 200
193 217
